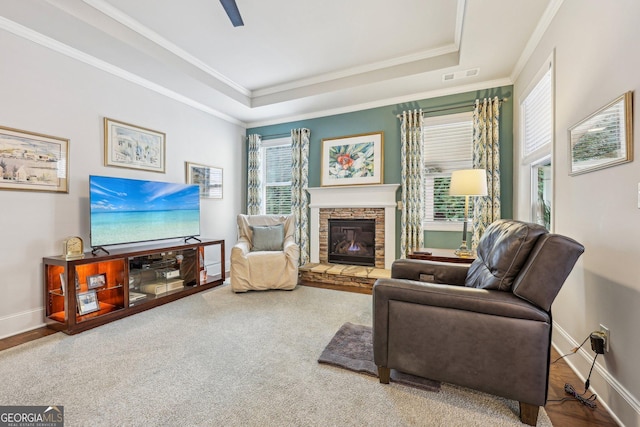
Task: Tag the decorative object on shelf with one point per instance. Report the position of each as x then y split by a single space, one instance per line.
158 288
133 147
72 248
467 182
353 160
136 296
88 302
33 162
603 139
209 178
96 281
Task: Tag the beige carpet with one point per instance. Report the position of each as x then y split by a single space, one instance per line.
217 358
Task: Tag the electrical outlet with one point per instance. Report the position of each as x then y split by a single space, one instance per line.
605 331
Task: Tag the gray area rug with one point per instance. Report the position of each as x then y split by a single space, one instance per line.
352 348
222 359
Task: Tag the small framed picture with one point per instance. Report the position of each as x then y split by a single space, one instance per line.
96 281
88 302
209 178
62 283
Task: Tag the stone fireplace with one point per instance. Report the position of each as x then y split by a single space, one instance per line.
352 241
341 219
374 203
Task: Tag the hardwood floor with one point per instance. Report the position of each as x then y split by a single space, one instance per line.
569 413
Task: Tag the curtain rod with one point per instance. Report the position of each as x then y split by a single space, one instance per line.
452 108
274 136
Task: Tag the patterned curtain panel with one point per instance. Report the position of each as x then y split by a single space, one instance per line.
486 155
412 235
299 184
254 176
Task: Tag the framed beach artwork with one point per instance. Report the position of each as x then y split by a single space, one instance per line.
133 147
603 139
209 178
352 160
33 161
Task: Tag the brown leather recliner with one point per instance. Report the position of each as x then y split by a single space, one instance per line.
486 326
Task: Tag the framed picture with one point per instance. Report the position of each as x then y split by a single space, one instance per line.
88 302
133 147
352 160
209 178
62 283
32 161
603 139
96 281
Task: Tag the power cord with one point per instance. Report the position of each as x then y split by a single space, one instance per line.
587 401
573 350
568 388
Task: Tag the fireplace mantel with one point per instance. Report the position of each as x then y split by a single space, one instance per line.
369 196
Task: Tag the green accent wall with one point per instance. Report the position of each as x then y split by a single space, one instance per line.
385 119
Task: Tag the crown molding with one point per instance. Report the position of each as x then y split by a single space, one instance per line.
310 84
385 102
48 42
536 36
156 38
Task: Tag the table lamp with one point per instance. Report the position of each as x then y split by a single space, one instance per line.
467 182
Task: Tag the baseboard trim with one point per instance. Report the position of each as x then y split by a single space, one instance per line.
609 391
23 321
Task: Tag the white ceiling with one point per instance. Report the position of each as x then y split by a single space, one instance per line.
292 58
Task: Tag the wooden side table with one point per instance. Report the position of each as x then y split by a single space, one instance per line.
441 255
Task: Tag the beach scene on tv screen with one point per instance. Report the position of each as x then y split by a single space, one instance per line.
127 210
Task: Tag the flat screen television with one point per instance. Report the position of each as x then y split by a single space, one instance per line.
129 210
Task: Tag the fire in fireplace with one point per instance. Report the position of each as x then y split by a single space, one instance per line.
352 241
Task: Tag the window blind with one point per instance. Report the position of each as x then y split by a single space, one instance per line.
448 146
277 178
536 116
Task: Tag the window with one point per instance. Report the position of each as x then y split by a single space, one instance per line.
536 117
541 200
536 123
448 146
277 176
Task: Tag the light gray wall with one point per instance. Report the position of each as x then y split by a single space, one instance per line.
596 60
45 92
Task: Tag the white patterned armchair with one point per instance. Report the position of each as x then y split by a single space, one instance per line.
266 255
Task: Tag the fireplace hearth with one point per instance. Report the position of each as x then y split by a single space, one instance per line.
352 241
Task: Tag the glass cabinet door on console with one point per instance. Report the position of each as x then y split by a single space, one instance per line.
79 290
160 274
99 288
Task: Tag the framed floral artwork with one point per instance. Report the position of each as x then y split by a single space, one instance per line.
353 160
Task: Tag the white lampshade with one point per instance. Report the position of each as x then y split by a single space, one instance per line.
468 182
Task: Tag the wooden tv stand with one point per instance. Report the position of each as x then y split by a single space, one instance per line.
81 294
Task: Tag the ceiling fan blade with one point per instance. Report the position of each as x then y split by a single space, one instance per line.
231 8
